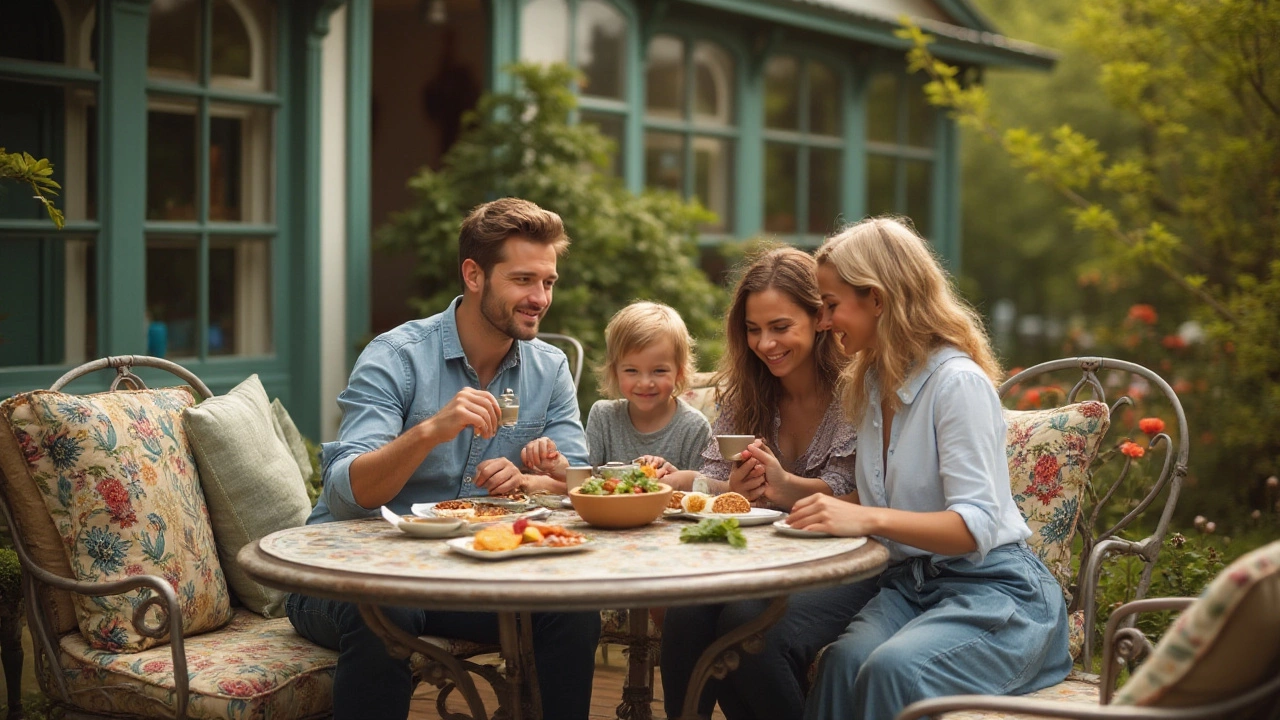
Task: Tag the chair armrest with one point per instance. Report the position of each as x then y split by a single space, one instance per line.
1128 643
1091 571
164 600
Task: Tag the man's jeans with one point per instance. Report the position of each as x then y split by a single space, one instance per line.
370 684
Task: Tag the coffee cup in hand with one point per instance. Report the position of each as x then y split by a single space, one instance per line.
733 445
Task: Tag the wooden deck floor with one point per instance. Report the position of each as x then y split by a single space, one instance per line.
605 694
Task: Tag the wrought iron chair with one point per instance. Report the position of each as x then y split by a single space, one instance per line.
47 584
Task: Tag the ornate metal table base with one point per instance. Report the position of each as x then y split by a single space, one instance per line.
637 692
722 657
517 699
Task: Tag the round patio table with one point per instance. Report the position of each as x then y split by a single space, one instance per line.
370 563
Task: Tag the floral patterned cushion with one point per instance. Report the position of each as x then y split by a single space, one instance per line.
703 399
252 668
1050 452
1222 645
119 481
1077 689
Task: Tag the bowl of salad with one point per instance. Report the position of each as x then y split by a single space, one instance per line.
623 500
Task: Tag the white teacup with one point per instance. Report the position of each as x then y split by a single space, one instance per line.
731 445
575 476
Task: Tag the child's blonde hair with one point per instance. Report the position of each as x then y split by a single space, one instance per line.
922 310
638 326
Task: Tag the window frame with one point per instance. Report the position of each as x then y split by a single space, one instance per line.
219 100
627 108
901 152
689 128
82 83
804 140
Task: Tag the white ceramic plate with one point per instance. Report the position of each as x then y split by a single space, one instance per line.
757 516
432 527
428 510
782 527
463 545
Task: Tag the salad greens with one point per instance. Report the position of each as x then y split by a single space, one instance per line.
715 530
634 482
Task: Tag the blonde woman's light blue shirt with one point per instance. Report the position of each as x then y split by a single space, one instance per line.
946 452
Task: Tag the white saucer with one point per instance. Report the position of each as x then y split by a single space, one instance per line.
434 527
782 527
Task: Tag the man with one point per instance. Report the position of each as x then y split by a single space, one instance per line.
421 423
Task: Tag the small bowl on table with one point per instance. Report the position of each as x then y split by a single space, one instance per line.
618 512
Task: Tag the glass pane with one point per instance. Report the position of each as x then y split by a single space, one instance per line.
240 167
173 279
713 179
172 137
612 127
782 93
919 194
602 49
882 108
239 296
713 84
58 123
32 30
824 100
664 77
544 31
664 160
173 39
824 190
780 163
920 117
48 301
243 44
880 185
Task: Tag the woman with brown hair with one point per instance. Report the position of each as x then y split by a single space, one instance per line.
778 380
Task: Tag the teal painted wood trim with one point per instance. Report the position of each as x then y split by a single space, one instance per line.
946 198
869 30
359 99
42 227
504 24
853 198
964 13
169 87
122 250
37 72
217 228
633 153
308 30
749 196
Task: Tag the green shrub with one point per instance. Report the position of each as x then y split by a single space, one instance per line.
626 246
10 578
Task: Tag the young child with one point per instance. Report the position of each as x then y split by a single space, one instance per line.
964 606
649 358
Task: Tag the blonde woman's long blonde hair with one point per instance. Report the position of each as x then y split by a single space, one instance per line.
920 309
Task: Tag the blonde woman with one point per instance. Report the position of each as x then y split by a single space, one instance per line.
965 606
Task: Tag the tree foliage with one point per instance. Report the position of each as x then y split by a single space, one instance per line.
1191 205
24 168
625 246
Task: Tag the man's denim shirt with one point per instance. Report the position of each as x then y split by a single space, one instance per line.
409 374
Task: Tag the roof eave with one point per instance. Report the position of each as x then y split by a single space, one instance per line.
951 42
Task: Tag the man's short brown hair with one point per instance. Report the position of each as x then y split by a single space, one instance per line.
487 227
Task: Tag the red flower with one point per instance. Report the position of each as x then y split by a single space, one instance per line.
1173 342
1131 449
118 502
1046 486
156 666
1151 425
1143 313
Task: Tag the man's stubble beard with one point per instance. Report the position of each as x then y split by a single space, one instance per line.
502 319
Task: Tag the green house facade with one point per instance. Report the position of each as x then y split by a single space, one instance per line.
224 161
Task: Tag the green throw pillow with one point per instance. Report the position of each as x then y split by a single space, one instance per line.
292 439
251 482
